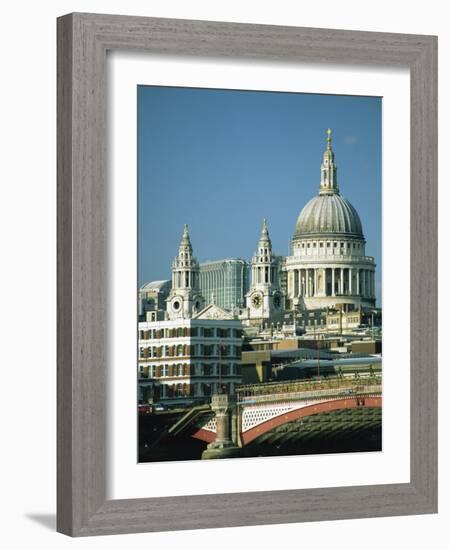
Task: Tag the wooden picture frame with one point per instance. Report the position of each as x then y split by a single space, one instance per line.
83 40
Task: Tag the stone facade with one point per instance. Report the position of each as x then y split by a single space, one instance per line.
265 299
185 298
190 359
328 265
194 351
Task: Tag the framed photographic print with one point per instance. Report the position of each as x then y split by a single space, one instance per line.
247 274
280 354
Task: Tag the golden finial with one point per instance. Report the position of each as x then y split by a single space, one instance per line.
329 132
264 227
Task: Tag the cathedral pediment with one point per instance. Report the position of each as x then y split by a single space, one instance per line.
212 311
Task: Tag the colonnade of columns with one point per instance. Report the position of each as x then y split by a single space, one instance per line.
331 281
185 279
262 274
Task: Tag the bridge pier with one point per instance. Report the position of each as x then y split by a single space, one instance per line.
223 406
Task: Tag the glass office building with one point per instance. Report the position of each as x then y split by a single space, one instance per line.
225 282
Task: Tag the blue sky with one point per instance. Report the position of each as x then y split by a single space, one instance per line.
222 160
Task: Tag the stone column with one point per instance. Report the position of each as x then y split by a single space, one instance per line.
223 406
315 281
350 281
298 273
307 281
357 281
333 281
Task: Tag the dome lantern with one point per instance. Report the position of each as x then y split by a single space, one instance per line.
328 184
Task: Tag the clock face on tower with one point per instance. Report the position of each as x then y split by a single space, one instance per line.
256 300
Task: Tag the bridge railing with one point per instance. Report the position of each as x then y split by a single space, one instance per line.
302 389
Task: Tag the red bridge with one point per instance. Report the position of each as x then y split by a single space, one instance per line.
267 413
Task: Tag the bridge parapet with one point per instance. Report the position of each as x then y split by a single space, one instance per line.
308 388
309 395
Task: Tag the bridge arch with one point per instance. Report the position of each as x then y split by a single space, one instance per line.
317 408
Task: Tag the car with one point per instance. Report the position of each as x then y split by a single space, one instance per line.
144 409
159 407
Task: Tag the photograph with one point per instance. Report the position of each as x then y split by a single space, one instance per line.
259 266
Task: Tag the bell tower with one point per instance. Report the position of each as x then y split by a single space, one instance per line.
264 300
328 184
185 298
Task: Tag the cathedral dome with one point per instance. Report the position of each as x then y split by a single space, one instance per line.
328 215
